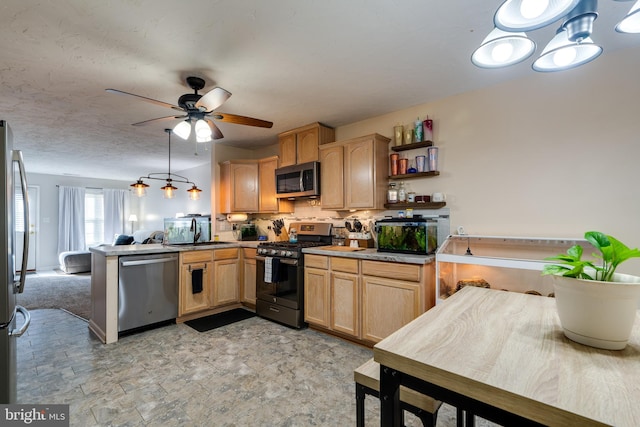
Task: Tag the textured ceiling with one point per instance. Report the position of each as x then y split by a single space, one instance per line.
291 62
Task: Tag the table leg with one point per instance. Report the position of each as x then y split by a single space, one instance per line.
390 410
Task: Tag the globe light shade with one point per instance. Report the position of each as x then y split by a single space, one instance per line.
528 15
194 193
203 138
139 188
183 129
501 49
562 54
169 190
202 129
631 23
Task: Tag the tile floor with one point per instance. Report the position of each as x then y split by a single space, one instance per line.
251 373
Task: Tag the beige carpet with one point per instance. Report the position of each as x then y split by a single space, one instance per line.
70 292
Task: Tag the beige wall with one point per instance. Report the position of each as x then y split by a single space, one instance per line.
549 155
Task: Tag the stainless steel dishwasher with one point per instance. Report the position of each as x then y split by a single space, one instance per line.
147 290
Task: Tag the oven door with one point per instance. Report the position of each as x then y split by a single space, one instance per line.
287 291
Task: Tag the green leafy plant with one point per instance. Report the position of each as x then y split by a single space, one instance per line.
612 253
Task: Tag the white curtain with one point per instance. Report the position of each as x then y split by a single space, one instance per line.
71 219
113 213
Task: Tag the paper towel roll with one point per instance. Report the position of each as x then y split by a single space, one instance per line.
238 217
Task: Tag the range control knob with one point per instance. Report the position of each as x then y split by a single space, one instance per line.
274 251
289 254
283 253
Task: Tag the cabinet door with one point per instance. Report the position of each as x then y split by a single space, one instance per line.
267 184
244 178
359 176
287 149
193 302
332 177
249 280
307 145
316 296
344 303
225 284
387 305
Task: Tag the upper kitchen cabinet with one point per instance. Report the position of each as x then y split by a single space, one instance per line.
301 145
354 173
239 191
267 185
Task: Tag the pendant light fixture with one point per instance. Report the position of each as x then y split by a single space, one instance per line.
572 45
140 187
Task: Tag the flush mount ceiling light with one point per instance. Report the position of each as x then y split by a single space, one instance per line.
140 188
501 48
572 46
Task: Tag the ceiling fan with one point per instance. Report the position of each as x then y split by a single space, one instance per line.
199 110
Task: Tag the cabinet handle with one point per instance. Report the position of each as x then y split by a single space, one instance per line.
204 269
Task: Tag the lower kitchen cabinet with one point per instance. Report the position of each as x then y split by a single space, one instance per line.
248 277
194 296
316 296
365 300
226 267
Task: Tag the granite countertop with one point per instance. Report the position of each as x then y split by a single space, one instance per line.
371 254
157 248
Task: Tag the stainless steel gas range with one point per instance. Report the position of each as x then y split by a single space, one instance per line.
280 274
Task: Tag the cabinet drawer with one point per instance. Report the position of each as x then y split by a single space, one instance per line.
196 256
392 270
249 252
317 261
347 265
230 253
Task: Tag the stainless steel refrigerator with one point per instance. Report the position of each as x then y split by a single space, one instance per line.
12 326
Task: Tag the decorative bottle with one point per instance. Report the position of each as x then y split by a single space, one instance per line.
392 193
402 193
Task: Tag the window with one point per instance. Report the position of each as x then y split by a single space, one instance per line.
93 217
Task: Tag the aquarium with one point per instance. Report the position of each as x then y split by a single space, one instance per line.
187 230
407 235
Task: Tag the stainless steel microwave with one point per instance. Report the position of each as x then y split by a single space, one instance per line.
301 180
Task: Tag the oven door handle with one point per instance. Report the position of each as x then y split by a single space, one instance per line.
288 261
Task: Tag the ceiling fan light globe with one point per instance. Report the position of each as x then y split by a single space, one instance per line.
631 22
202 129
563 54
526 15
183 129
501 49
203 139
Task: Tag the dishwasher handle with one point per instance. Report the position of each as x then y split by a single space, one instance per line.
147 261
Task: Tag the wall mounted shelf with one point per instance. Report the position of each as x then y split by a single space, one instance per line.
415 175
423 205
412 146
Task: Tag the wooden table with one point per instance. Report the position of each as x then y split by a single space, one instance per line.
503 356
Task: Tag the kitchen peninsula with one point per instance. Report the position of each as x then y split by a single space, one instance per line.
105 279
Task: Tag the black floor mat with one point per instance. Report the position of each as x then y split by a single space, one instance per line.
221 319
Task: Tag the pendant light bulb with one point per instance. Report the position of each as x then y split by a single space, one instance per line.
169 190
139 188
183 129
194 192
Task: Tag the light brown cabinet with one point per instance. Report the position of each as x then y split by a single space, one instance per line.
300 145
267 186
354 173
190 301
365 300
248 277
226 265
239 191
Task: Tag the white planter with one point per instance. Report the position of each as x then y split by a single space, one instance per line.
598 314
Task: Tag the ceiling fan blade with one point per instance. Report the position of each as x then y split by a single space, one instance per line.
213 99
158 119
215 130
241 120
144 98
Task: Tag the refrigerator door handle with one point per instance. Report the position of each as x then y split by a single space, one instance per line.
17 157
27 320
